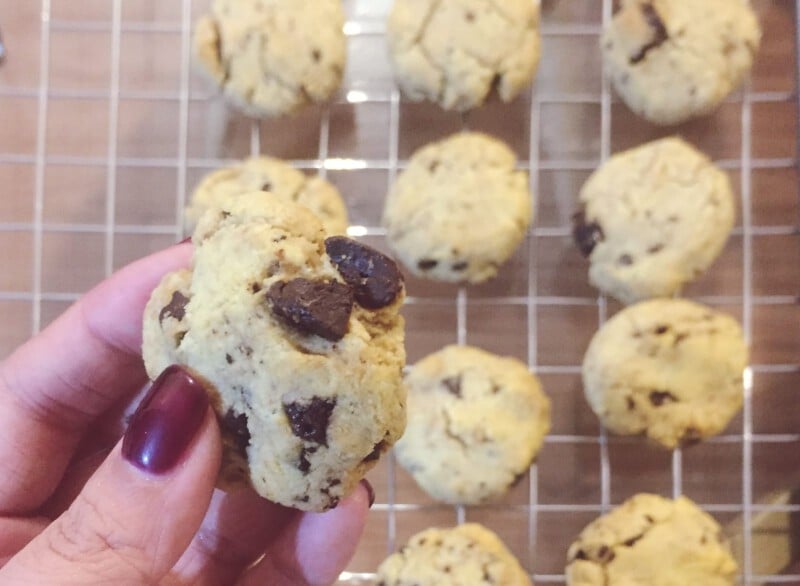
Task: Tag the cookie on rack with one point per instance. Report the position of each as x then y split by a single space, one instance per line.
273 57
300 341
652 541
278 179
465 554
672 60
476 421
652 219
455 53
670 369
459 210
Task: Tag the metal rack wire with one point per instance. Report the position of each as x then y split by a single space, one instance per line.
525 515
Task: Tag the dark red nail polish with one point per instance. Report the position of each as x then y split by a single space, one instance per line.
370 491
165 422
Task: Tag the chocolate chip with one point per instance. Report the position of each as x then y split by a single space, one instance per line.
255 288
375 278
303 463
236 425
649 519
660 34
587 235
605 555
580 555
632 541
267 186
176 307
659 398
427 264
631 403
453 385
625 260
309 421
321 308
460 266
229 359
316 55
661 330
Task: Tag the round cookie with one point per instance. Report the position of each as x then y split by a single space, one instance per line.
670 369
652 219
278 178
272 57
652 541
300 341
454 53
672 60
459 210
475 423
465 554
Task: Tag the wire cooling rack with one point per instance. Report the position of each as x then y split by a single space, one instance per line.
106 129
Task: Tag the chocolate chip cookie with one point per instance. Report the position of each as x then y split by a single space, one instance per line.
652 541
671 60
670 369
278 179
273 58
459 210
475 423
454 53
300 341
466 554
653 218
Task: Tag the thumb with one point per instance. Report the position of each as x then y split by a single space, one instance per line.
140 510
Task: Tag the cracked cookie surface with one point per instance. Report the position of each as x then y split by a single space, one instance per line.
455 52
272 57
476 421
466 554
301 343
652 219
671 60
459 210
670 369
651 541
278 179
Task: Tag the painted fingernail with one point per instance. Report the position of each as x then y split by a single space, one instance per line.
370 491
166 421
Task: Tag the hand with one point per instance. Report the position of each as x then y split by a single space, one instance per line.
77 506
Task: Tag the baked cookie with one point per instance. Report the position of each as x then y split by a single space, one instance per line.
272 57
278 178
652 541
300 341
466 554
670 369
475 423
671 60
652 219
459 210
454 53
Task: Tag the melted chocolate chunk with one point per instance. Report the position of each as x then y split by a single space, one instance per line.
587 235
661 330
375 277
176 307
303 463
660 34
267 186
632 541
309 421
460 266
580 555
453 385
321 308
605 555
236 425
659 398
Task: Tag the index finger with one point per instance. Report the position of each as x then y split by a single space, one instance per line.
56 384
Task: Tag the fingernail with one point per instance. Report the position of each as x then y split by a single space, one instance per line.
185 240
166 421
370 491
